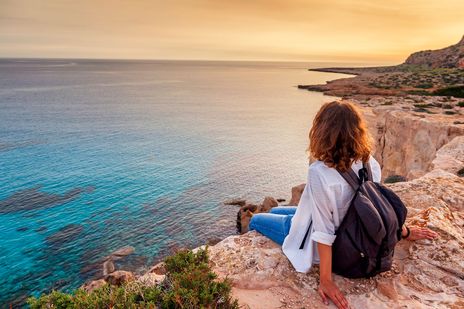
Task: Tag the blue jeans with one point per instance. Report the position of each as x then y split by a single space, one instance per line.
274 224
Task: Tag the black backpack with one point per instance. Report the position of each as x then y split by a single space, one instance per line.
372 226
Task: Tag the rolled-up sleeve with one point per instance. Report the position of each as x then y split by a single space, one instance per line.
322 213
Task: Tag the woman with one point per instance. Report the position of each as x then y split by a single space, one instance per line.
338 140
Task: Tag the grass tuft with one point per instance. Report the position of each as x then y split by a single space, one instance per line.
394 178
461 172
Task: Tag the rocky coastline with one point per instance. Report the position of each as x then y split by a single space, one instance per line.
419 142
427 151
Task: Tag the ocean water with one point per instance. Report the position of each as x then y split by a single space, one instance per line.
97 155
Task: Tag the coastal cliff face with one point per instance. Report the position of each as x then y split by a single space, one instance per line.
425 274
449 57
407 140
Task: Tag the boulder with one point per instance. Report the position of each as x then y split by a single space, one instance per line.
297 191
268 203
451 156
119 277
244 217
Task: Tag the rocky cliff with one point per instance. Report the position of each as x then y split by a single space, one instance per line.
407 137
449 57
426 274
433 72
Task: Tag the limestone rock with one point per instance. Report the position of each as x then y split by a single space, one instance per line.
406 144
267 204
451 156
297 191
119 277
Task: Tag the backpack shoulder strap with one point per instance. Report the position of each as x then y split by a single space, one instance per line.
367 166
351 178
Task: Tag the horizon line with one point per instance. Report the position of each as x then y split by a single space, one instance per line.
193 59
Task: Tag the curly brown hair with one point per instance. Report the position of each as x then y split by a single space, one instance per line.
339 136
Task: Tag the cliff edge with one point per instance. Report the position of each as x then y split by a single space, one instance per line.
425 274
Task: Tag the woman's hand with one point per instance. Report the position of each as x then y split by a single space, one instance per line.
328 289
417 233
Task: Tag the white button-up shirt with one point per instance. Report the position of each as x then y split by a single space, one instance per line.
325 201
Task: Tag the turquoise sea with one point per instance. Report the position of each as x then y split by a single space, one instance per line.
100 154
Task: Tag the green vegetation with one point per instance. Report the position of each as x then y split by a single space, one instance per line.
425 86
455 91
394 178
421 79
460 104
418 92
423 105
422 110
447 106
189 283
449 112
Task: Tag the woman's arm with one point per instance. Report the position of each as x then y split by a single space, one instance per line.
327 288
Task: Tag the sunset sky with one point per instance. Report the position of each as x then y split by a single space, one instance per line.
289 30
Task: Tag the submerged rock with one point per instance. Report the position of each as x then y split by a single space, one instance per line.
33 198
66 234
121 252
